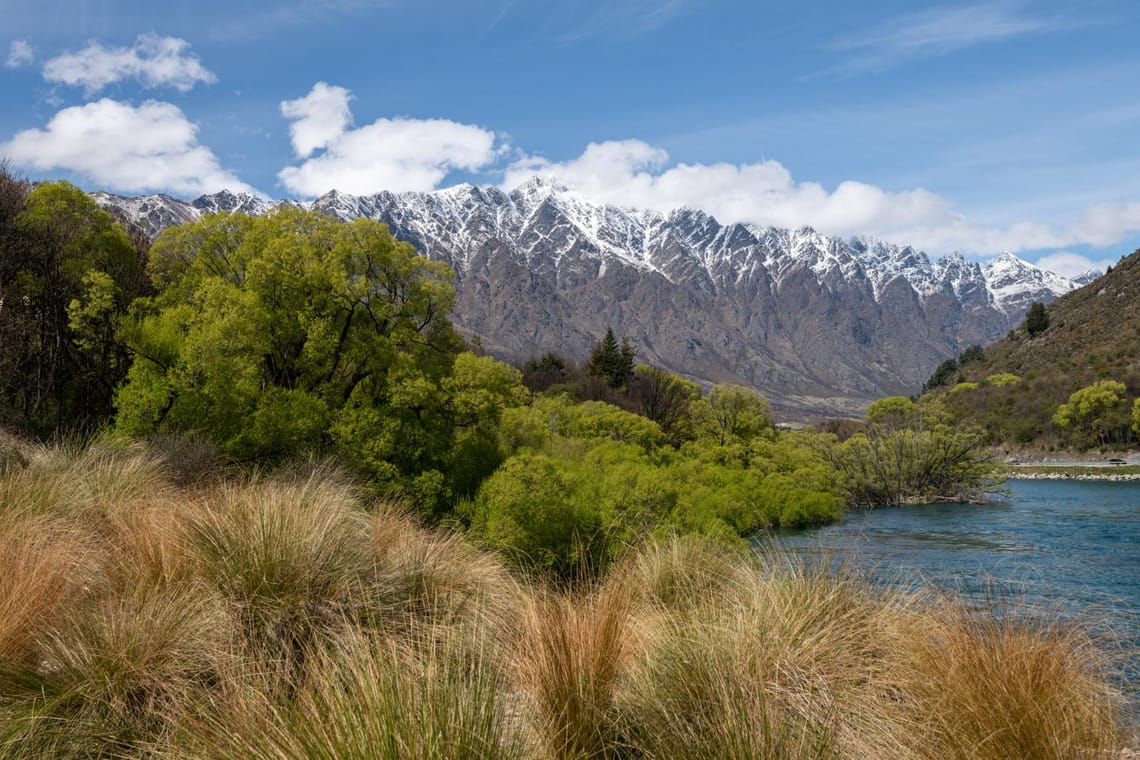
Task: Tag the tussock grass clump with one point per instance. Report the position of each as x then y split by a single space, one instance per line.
439 579
377 697
83 483
45 568
14 452
572 657
190 461
1006 687
694 698
290 558
682 573
113 673
774 659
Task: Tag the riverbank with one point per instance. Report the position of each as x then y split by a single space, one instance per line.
1072 465
1071 473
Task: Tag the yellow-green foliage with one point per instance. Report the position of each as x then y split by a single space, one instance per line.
891 408
1002 379
587 481
293 332
963 388
1098 411
284 616
732 413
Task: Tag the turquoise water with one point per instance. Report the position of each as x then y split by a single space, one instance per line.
1067 548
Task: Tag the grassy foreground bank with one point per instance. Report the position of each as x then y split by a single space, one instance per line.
154 604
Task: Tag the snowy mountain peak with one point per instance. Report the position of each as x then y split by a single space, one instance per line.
544 220
1084 278
1015 284
227 202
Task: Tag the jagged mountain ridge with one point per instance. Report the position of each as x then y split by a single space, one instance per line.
817 323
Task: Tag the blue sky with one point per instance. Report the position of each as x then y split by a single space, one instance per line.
980 126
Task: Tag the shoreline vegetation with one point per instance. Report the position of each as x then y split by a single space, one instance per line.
160 602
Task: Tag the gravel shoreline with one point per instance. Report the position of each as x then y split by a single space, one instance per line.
1122 477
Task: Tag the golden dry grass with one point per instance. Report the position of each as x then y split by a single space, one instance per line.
993 688
284 615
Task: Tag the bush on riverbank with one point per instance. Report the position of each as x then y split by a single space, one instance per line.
285 615
908 453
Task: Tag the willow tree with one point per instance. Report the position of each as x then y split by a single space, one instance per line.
1095 414
295 332
914 453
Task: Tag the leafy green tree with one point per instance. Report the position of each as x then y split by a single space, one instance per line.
1002 379
599 421
478 389
1036 319
293 332
960 388
733 413
1095 414
528 510
890 409
926 456
550 420
574 499
611 361
665 398
1136 418
67 274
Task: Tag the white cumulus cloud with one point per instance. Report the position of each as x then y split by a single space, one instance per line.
153 61
1068 264
632 173
20 54
388 154
124 148
318 118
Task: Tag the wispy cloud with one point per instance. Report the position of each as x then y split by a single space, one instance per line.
625 17
291 14
502 14
20 54
936 32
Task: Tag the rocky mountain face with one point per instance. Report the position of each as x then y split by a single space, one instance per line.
818 324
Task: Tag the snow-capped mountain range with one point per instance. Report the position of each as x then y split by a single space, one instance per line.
815 322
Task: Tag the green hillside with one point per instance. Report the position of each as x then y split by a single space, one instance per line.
1017 385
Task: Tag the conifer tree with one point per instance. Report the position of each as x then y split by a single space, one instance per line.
612 362
1036 319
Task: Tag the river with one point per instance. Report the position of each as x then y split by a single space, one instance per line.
1066 548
